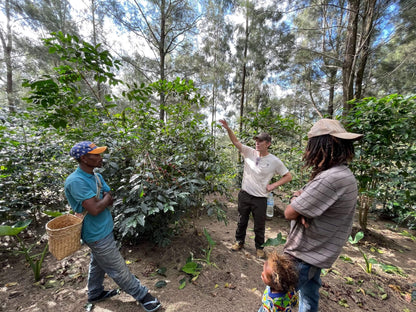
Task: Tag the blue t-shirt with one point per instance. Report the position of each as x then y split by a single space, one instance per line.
80 186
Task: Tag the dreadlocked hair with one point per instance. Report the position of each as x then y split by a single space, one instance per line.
325 151
285 275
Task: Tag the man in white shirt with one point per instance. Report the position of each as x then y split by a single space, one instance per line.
259 168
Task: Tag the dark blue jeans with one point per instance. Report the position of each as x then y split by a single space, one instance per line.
308 286
257 206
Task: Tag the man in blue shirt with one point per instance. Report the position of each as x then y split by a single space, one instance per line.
90 197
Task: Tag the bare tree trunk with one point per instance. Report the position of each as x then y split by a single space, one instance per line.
243 80
332 48
162 56
100 91
332 78
7 43
349 57
368 19
214 107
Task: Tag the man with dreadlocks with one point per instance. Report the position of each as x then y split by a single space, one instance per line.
322 212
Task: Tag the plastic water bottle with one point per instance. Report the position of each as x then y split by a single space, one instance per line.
270 206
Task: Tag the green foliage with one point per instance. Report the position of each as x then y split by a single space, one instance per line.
388 268
386 165
368 262
32 170
193 268
279 240
207 251
193 265
159 171
35 261
162 171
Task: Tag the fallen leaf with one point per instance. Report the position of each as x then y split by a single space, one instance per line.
11 284
395 287
407 297
343 303
160 284
230 286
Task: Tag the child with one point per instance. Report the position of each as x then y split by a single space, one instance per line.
280 276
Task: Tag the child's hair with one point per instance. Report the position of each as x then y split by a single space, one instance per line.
285 274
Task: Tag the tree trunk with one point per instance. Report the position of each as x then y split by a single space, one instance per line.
243 80
100 91
331 94
349 57
7 43
162 56
367 32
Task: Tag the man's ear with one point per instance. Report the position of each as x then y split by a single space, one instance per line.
82 159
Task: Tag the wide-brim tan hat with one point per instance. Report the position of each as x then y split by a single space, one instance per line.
332 127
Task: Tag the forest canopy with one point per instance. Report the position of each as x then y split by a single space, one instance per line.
150 79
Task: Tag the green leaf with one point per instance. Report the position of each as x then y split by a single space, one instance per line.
346 258
53 213
357 238
182 283
192 268
14 229
161 271
279 240
160 284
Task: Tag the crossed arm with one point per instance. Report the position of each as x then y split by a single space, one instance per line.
95 206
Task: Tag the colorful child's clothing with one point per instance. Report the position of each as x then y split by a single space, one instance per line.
275 302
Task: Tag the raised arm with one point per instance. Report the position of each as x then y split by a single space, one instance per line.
231 134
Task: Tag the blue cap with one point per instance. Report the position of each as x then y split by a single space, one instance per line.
86 147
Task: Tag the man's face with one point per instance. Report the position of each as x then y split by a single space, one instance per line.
93 160
262 145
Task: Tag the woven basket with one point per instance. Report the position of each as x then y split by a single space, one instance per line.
64 235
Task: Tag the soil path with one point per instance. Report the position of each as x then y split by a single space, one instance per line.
233 284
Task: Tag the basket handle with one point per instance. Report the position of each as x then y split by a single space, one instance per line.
97 195
99 185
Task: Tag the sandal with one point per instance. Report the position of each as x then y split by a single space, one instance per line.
150 303
105 295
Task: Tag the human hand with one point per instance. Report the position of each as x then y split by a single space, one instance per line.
294 195
304 222
109 198
224 123
79 215
269 187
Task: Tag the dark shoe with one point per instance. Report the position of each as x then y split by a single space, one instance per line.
150 303
105 295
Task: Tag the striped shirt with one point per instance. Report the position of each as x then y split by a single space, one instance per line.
328 202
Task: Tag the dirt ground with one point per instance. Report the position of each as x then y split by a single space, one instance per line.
232 284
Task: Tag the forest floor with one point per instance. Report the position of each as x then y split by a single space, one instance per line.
231 283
